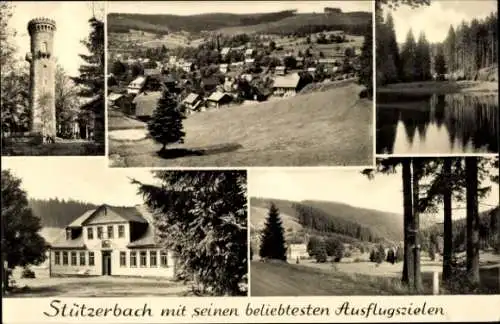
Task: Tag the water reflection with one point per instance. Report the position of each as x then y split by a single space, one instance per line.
456 123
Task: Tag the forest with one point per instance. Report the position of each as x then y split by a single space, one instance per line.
56 212
436 185
467 49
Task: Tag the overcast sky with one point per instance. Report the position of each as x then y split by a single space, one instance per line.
237 7
71 23
384 192
87 179
435 20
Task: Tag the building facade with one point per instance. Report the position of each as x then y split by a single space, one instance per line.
118 241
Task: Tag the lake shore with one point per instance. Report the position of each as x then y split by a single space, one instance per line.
440 87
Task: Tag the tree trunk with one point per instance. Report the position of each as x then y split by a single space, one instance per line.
408 276
447 230
416 225
471 169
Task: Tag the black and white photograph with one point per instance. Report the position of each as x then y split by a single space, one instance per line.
52 78
437 77
409 226
74 228
240 83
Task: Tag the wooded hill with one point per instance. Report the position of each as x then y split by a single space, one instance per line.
58 213
348 223
488 230
286 22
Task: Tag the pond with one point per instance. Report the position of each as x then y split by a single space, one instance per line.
437 124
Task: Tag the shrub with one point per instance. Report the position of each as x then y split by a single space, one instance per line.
28 273
380 254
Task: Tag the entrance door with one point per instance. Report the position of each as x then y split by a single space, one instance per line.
106 263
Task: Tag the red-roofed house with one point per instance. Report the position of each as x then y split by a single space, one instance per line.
111 240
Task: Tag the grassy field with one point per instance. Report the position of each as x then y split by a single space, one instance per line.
436 87
353 278
327 128
102 286
283 279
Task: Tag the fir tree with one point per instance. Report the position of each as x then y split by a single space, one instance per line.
366 62
380 254
272 245
440 65
165 125
91 79
408 57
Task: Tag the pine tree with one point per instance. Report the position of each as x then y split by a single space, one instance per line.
91 79
165 125
380 254
202 217
272 245
440 65
408 57
366 62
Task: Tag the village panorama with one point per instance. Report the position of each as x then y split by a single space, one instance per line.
286 87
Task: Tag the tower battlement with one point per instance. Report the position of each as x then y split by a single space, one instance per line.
41 24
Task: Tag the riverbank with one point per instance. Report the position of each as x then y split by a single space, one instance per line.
440 87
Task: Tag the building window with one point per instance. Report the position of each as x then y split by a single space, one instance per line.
68 234
164 259
99 232
65 258
73 258
90 233
91 258
57 257
153 256
123 259
133 259
143 258
82 258
110 232
44 47
121 231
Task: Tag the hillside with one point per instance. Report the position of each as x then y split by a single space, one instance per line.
55 213
349 223
282 22
259 216
333 127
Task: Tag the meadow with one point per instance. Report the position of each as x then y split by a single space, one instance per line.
326 128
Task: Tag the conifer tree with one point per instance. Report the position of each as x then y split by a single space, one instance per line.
366 62
440 65
408 57
165 125
91 78
272 245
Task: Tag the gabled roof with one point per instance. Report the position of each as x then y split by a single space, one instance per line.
114 96
79 221
138 81
217 96
149 237
191 98
62 242
249 51
288 81
108 214
151 72
225 50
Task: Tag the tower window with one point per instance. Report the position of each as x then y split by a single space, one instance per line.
44 47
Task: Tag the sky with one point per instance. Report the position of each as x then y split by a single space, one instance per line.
347 186
435 20
238 7
87 179
71 23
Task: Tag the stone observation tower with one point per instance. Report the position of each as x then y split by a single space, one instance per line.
42 77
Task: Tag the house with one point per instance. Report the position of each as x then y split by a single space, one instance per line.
286 86
224 68
218 99
311 70
249 53
109 240
225 52
296 251
280 70
152 72
136 85
229 85
249 61
236 64
187 66
192 102
328 63
119 101
145 104
247 76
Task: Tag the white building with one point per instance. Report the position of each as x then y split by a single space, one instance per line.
111 240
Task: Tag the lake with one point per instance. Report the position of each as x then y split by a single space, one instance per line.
445 124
